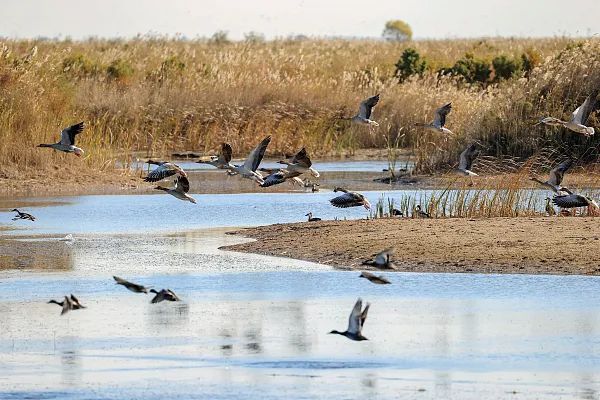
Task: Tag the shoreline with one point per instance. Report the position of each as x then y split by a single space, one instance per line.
536 245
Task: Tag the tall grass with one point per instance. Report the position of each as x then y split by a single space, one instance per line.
158 96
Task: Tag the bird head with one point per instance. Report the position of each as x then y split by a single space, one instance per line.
366 204
335 332
362 275
589 131
78 152
153 291
15 210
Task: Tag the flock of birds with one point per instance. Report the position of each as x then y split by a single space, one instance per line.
301 164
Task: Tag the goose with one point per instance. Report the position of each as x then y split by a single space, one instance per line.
578 118
364 112
182 186
355 322
133 287
301 164
223 160
164 170
22 215
310 217
549 209
439 120
397 213
555 178
421 213
68 304
466 161
379 280
277 176
349 199
163 295
574 201
383 260
67 140
248 169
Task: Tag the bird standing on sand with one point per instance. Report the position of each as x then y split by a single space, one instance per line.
578 118
383 260
248 169
133 287
349 199
164 170
439 120
182 186
22 215
311 218
421 213
164 295
301 164
364 112
355 323
67 140
223 160
555 178
549 209
68 304
379 280
466 161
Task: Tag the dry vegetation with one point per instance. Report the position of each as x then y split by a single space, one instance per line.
159 96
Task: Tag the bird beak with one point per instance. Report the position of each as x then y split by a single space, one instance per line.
367 205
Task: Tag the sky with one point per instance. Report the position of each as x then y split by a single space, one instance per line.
437 19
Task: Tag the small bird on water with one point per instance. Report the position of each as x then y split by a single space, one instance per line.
355 322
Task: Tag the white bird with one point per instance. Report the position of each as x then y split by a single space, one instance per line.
182 186
578 118
248 169
223 160
349 199
356 322
439 120
301 163
67 140
466 161
383 260
364 112
164 170
555 178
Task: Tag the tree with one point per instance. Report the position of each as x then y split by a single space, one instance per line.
397 30
410 63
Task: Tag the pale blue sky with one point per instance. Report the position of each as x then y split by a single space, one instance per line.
429 19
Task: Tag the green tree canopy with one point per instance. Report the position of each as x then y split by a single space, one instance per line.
397 30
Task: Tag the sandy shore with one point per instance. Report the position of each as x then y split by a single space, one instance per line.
498 245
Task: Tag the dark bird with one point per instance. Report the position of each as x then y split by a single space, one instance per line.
223 160
164 170
355 322
134 287
22 215
349 199
68 304
67 140
380 280
311 218
383 260
574 201
164 295
421 213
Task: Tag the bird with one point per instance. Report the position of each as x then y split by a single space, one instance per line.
380 280
465 163
133 287
22 215
421 213
68 304
182 186
549 209
163 295
278 175
578 118
349 199
383 260
439 120
397 213
574 201
364 112
248 169
301 163
223 160
355 322
555 178
67 140
311 218
164 170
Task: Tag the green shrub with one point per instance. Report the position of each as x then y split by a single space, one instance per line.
80 66
119 70
410 63
529 60
471 69
505 68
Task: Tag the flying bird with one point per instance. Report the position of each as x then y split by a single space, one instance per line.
466 161
67 140
364 112
182 186
248 169
439 120
574 201
68 304
349 199
278 175
133 287
379 280
223 160
164 170
383 260
578 118
555 178
22 215
355 322
164 295
301 164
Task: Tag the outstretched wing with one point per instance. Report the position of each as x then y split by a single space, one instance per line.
384 256
346 200
163 171
468 156
302 159
255 157
366 106
226 152
582 113
557 174
354 322
439 119
67 136
182 184
570 201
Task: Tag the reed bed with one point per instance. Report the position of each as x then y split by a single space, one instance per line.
163 95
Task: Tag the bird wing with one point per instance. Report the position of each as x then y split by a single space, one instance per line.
355 316
67 305
163 171
302 159
570 201
226 153
120 281
439 119
172 293
557 174
366 106
76 302
581 114
257 154
468 156
384 256
67 136
182 184
346 200
363 315
158 297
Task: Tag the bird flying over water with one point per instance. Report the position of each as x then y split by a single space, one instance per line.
182 186
555 178
223 160
439 120
301 164
163 295
349 199
379 280
67 140
68 304
278 175
578 118
248 169
133 287
466 161
164 170
574 201
356 322
22 215
364 112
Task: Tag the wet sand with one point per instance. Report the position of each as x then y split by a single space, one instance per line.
544 245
